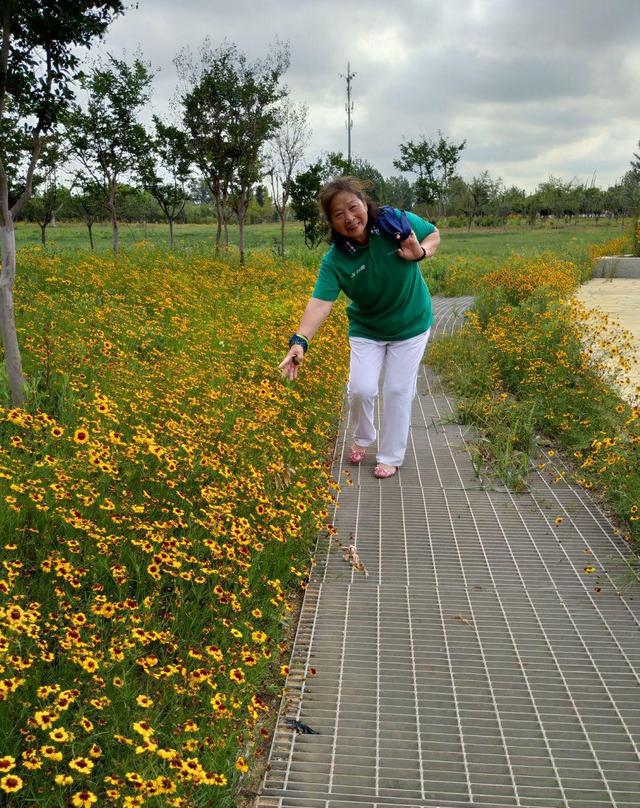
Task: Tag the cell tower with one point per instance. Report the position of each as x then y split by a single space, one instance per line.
348 109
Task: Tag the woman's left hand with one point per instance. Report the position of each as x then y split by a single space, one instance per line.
411 249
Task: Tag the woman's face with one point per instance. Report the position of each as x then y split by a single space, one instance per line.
349 216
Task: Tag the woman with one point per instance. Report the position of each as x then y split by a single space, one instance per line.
389 317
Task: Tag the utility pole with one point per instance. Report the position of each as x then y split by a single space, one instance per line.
348 109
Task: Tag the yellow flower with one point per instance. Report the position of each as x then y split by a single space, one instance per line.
11 783
63 779
143 728
50 752
237 675
7 763
144 701
80 436
241 765
81 764
83 799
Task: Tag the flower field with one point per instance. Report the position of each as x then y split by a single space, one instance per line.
529 363
161 493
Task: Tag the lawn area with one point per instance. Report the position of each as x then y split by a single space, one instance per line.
481 242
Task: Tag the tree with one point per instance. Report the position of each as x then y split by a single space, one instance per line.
630 193
635 164
557 198
168 151
43 207
336 165
38 64
304 201
48 197
290 139
399 193
434 161
89 206
106 139
591 201
512 200
477 197
230 113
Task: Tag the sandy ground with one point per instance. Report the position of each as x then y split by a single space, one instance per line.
619 298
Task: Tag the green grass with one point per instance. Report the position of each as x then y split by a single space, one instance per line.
481 242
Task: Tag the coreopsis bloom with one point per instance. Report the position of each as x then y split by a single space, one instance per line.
81 764
83 799
7 763
10 783
80 436
237 675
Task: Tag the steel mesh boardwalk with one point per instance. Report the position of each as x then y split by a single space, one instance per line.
478 664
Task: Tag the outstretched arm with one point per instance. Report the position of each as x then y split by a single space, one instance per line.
314 315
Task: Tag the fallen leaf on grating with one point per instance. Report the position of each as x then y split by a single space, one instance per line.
464 620
351 555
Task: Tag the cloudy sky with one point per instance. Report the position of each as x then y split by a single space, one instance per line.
535 87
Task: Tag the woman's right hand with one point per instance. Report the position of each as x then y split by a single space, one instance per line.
291 363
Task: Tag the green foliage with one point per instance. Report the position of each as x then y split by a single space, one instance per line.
230 112
527 365
165 170
105 138
434 161
304 202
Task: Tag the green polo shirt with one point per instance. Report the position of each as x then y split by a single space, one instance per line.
390 300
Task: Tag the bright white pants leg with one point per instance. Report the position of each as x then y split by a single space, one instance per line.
401 362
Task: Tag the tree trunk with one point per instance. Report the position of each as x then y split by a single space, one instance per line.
111 205
241 213
43 234
116 234
90 229
219 223
282 216
7 318
171 232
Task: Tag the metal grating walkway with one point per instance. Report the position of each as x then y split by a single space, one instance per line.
478 664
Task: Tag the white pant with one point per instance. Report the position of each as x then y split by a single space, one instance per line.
401 361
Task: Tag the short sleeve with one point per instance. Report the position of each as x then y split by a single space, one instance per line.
421 227
327 286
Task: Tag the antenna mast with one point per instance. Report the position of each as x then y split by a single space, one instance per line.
348 109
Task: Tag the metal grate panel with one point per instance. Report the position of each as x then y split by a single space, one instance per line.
478 664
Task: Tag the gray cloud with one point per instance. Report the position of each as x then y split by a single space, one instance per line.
546 86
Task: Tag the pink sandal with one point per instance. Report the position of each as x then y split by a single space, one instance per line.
382 473
357 454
